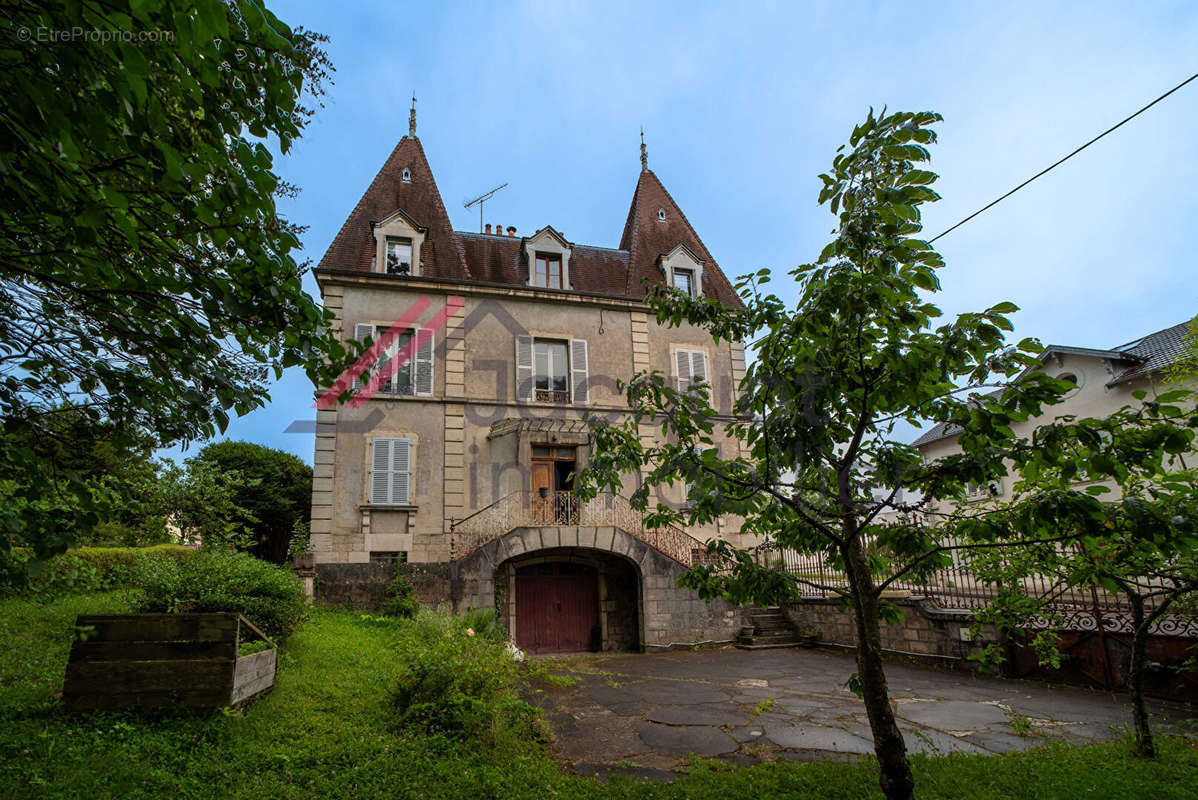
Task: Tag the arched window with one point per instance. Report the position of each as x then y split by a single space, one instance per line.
661 215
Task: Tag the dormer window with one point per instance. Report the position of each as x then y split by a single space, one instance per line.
683 271
406 175
398 245
399 256
548 272
684 281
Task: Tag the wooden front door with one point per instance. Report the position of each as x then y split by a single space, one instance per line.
542 479
557 609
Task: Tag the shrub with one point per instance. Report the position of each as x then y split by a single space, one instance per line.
221 580
400 602
457 684
485 623
88 569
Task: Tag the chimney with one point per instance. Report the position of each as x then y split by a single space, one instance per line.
488 227
499 230
511 230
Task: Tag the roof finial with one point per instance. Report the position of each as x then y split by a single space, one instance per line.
644 153
412 117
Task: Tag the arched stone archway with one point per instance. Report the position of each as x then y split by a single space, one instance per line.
668 616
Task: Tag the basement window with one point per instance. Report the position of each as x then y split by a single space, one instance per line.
388 557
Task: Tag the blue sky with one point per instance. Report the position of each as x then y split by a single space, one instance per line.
743 106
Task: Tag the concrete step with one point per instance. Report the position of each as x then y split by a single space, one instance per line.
771 646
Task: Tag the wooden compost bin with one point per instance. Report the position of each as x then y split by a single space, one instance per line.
123 660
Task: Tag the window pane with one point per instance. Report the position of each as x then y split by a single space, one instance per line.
399 257
541 276
541 365
682 280
557 352
555 274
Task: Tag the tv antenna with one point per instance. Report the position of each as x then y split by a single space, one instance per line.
482 198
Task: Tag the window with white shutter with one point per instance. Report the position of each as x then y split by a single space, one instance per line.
690 367
552 370
578 371
390 472
524 371
422 357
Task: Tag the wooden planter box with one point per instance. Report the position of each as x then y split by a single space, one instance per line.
123 660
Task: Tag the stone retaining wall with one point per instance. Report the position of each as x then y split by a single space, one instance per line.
364 586
925 631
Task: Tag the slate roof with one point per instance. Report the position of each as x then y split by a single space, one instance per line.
1137 358
354 247
1154 352
489 258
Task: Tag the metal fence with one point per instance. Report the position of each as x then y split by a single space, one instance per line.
1082 607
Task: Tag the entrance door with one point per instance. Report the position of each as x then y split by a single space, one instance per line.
557 608
552 482
542 492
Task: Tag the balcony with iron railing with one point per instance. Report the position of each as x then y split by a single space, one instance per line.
526 508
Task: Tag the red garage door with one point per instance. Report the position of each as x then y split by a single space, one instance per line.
557 608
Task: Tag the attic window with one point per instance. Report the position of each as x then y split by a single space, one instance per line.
661 215
406 175
399 256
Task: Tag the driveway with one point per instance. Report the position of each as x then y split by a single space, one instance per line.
646 714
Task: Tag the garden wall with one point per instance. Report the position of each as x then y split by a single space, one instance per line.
365 586
926 632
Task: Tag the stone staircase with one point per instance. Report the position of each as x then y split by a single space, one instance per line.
771 629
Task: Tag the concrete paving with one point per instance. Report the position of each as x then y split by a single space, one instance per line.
647 714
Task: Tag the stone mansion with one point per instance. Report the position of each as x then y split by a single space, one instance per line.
455 461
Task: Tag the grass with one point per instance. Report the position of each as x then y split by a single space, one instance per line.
328 730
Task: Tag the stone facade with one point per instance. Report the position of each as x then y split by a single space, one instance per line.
472 422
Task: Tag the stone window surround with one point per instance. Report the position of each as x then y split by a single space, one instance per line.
367 468
398 225
682 258
549 242
549 336
691 348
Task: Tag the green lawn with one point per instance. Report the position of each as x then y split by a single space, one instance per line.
327 731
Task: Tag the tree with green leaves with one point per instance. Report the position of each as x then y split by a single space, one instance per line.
273 495
147 278
1141 543
857 353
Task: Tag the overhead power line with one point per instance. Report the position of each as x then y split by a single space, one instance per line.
1056 164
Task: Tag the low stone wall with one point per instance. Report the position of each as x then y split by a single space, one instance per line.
364 586
359 586
934 634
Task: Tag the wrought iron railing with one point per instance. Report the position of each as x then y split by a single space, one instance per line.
533 508
956 587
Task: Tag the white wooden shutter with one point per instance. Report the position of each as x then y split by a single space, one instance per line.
578 370
390 472
698 366
401 471
422 366
682 367
380 472
524 374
